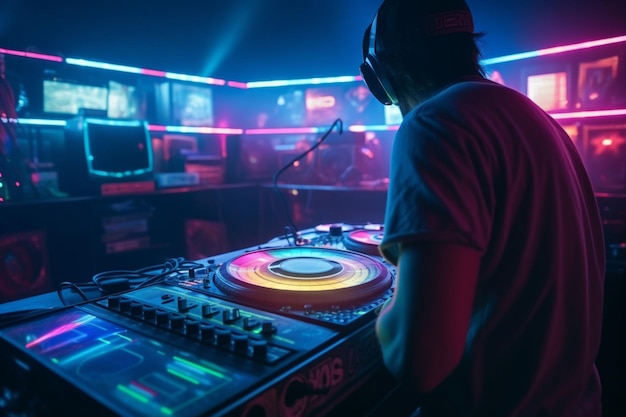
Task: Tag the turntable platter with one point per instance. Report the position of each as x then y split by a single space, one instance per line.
299 276
364 240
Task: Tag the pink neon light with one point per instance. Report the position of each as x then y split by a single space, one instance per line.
295 130
32 55
153 73
588 114
157 128
582 45
237 84
64 328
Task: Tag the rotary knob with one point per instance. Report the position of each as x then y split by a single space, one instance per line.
114 301
124 305
240 342
149 313
192 327
136 309
162 317
177 322
207 331
259 348
222 336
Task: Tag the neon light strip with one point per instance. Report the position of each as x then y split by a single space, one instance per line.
31 55
191 129
372 128
41 122
589 114
285 130
237 84
553 50
102 65
194 79
144 71
304 81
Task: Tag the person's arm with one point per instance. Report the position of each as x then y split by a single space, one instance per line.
422 331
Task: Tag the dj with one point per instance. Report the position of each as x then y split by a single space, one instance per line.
493 225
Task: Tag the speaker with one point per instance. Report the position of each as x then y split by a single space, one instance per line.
23 265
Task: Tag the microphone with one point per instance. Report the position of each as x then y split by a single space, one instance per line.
292 229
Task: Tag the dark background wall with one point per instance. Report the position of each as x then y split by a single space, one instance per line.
250 40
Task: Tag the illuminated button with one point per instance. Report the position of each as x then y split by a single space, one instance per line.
259 347
149 313
162 317
192 327
240 342
207 331
125 305
136 309
114 301
222 336
177 322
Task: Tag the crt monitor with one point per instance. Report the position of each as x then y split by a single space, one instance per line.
100 151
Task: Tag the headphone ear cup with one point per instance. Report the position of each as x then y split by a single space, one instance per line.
377 80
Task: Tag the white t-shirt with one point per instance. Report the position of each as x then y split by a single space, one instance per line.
481 165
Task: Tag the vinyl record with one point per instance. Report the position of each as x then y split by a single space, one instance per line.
365 240
301 276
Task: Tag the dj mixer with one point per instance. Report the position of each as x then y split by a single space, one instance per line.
276 330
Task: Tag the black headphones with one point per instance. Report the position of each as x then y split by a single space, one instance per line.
448 17
373 72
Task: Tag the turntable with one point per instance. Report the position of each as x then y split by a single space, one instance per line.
303 276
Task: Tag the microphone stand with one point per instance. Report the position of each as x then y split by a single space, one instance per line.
292 229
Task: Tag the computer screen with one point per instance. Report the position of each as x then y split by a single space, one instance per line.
68 98
117 148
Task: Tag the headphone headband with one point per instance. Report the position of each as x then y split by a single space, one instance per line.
374 73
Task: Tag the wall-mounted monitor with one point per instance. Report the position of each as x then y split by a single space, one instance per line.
549 89
353 103
67 98
125 102
596 82
192 105
183 104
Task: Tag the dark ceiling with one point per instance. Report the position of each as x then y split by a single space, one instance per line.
250 40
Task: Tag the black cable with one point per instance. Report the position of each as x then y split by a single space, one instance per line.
291 224
111 281
75 288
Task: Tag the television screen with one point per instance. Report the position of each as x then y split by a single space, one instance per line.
117 148
548 90
192 105
67 98
596 82
352 103
125 102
